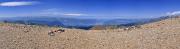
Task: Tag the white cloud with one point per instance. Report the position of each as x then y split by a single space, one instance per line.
174 13
74 14
23 3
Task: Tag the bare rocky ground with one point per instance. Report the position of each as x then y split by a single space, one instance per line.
159 35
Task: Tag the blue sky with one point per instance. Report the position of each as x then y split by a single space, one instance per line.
89 8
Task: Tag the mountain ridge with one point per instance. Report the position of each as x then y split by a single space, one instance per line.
81 23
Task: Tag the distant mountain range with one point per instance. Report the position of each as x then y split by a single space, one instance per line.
77 22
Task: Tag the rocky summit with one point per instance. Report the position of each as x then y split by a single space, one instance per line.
164 34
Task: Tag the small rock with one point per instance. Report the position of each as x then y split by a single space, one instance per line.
61 30
163 23
26 31
158 25
51 34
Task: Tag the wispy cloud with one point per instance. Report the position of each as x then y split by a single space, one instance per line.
22 3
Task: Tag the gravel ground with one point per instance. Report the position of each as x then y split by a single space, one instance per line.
159 35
